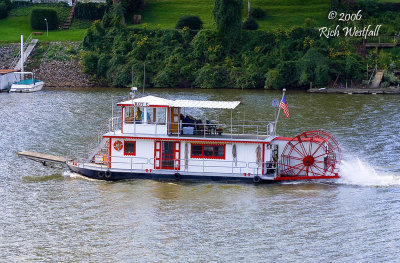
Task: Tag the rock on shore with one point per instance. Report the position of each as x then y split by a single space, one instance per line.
56 63
62 74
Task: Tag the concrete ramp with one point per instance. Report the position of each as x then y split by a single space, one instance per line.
377 79
27 52
43 158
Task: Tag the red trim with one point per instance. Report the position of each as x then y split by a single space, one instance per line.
122 119
185 140
202 156
168 120
125 153
263 159
149 106
155 155
109 154
282 138
177 159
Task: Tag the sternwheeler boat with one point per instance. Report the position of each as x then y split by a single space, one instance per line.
156 138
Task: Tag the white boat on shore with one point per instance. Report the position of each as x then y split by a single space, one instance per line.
27 85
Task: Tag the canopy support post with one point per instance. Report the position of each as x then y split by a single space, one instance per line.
231 123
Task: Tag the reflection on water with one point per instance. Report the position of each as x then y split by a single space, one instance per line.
53 215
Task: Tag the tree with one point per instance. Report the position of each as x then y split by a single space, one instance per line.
130 7
228 17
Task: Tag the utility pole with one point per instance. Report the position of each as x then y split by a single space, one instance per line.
22 53
248 8
47 27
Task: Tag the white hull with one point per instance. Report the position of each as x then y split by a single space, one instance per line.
27 88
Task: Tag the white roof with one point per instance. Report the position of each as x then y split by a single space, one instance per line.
205 104
151 100
157 101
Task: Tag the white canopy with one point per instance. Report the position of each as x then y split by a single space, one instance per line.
149 100
157 101
205 104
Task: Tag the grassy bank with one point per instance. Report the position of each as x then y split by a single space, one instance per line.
18 23
280 13
165 14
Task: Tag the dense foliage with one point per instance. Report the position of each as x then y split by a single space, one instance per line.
291 58
5 7
131 7
250 24
190 21
228 17
90 11
38 17
257 12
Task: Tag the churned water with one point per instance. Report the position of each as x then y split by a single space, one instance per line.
49 214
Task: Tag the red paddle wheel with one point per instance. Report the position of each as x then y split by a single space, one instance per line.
310 155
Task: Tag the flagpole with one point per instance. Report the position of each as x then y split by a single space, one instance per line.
279 110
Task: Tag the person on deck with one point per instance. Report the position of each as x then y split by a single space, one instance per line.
138 116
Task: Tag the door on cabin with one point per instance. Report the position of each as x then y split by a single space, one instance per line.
167 155
175 119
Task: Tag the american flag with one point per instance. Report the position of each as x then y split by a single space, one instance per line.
284 106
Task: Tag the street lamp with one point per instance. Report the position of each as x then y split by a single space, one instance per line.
47 27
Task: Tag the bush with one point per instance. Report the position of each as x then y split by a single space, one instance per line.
192 22
38 16
3 10
250 24
257 12
91 11
89 62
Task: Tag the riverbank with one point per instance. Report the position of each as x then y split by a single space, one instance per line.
389 90
55 63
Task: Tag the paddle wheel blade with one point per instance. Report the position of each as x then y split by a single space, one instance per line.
310 155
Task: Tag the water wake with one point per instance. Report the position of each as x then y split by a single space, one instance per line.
77 176
357 172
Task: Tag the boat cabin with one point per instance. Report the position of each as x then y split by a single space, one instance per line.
160 134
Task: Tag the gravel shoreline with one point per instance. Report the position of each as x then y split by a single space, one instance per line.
55 63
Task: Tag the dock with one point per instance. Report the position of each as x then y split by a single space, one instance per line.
390 90
45 159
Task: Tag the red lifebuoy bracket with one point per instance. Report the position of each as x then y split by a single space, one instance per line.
118 145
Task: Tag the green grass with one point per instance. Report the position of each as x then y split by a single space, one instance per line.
18 23
165 14
280 13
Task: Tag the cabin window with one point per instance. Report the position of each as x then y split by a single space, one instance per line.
129 148
208 151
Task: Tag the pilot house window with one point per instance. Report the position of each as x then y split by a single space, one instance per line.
129 148
208 151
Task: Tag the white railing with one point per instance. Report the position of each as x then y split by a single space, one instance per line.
179 165
17 57
239 128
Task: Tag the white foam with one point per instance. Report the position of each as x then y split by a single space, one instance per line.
357 172
77 176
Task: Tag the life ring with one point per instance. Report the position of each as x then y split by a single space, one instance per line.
256 179
118 145
108 174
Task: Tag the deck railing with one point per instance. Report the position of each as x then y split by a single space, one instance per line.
135 163
234 130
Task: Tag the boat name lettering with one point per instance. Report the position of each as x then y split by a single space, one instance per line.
140 104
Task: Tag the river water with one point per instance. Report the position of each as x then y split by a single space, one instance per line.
49 214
